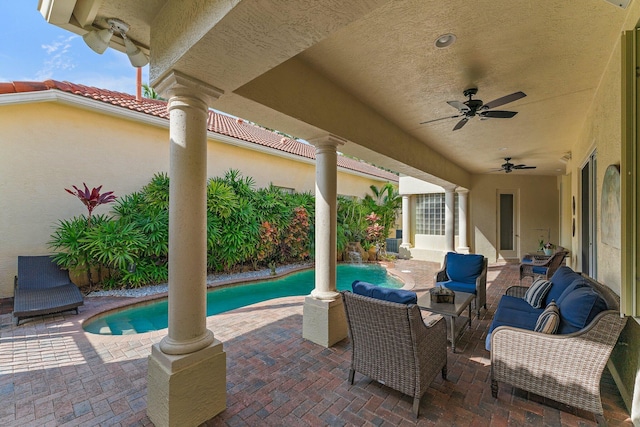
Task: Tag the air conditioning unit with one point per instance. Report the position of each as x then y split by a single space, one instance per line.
620 3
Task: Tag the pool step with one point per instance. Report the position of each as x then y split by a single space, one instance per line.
122 327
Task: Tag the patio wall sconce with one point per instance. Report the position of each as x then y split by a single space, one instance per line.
98 41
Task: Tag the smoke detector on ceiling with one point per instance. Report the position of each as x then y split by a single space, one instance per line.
620 3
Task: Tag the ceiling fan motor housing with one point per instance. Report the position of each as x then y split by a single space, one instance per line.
474 105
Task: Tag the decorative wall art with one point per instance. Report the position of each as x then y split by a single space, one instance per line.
610 216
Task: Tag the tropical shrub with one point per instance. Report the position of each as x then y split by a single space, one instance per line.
246 228
294 244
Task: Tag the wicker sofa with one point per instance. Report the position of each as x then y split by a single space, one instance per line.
567 366
390 342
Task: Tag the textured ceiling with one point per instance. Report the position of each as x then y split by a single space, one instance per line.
554 51
374 64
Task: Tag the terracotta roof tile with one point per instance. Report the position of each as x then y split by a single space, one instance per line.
217 123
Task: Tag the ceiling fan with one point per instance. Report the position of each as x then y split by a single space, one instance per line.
509 167
474 107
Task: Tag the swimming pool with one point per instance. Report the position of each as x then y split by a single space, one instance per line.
146 317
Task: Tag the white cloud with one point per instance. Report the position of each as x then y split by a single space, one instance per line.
57 59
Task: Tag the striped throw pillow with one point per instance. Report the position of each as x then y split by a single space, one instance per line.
549 319
536 293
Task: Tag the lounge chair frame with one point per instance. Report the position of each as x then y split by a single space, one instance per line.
41 287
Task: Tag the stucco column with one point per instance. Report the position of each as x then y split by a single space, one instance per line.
463 232
449 235
187 225
406 222
187 369
404 251
324 321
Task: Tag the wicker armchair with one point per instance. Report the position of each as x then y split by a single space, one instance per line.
480 288
391 344
534 266
565 368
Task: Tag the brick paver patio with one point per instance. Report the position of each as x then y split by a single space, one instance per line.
52 373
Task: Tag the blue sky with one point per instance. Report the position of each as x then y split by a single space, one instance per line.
35 50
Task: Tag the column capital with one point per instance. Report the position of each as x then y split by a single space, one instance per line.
462 190
449 188
328 140
175 83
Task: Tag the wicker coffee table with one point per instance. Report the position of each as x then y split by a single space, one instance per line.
452 313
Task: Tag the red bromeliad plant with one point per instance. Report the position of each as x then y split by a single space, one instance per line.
92 199
375 231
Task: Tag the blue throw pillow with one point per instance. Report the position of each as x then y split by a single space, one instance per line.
549 319
536 293
578 308
464 268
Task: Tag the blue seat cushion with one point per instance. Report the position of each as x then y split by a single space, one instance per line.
464 268
459 286
539 270
578 308
513 311
362 288
564 276
578 283
400 296
561 279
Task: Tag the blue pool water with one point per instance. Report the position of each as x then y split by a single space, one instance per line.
152 317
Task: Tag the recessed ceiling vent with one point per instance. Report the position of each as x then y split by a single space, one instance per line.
620 3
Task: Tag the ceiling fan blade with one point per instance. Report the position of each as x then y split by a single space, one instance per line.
441 118
498 114
460 106
504 100
524 167
461 123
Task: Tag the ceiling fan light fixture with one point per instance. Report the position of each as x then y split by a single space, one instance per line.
445 40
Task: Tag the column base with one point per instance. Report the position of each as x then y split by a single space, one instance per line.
324 322
186 389
463 250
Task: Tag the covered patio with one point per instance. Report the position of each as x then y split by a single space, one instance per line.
372 79
53 373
